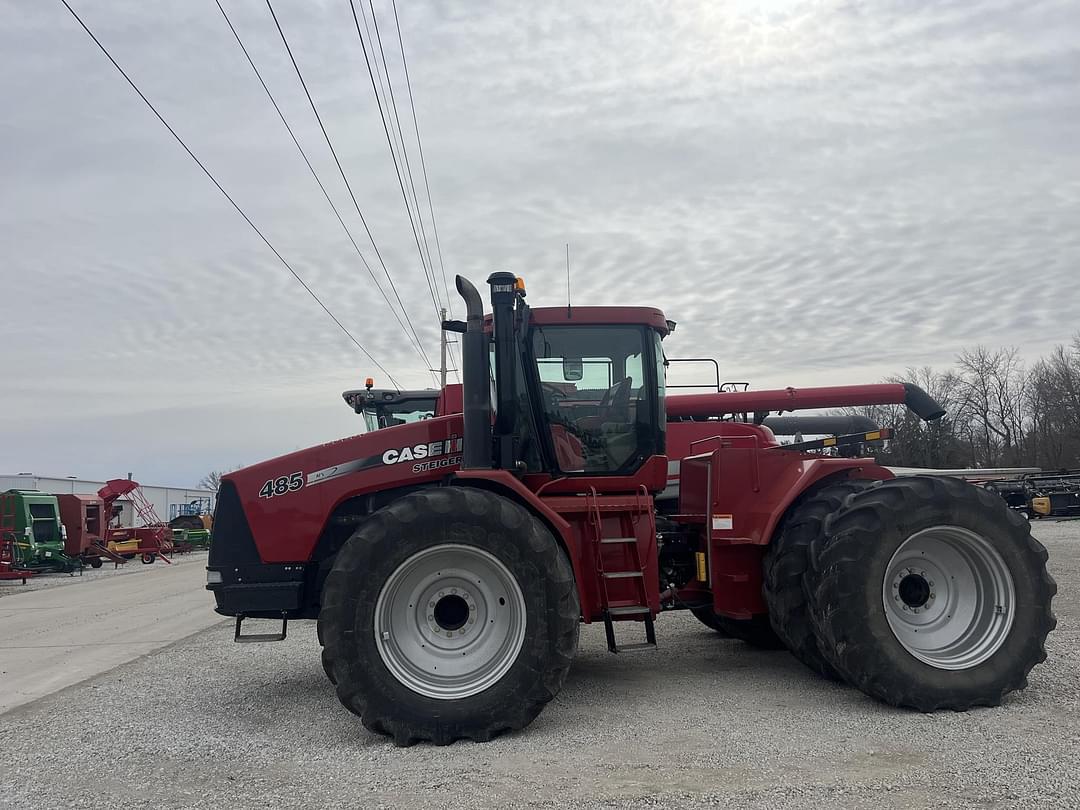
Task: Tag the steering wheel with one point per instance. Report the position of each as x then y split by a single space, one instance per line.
616 400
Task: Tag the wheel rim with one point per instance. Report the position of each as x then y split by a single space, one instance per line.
450 621
949 597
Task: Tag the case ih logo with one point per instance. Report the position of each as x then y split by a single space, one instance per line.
397 455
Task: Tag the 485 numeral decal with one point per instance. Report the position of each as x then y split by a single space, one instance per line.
282 486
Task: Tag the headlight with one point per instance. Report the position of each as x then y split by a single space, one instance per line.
213 578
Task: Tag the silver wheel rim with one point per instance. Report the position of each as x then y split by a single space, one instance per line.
949 597
450 621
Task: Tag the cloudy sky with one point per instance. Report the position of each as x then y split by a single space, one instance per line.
819 192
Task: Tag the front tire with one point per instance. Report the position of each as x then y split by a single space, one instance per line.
451 613
931 593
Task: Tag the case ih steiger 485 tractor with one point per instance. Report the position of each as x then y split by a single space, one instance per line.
449 561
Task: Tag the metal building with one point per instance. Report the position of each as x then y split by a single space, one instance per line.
167 501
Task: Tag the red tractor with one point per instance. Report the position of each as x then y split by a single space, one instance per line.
450 560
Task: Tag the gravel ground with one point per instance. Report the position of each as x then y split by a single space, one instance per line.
208 723
11 587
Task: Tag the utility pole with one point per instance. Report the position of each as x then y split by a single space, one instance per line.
442 346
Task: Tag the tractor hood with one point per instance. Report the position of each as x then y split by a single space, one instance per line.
300 489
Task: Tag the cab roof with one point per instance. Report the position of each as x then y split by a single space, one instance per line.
597 316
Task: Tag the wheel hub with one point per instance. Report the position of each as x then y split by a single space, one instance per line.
451 612
913 589
450 621
949 597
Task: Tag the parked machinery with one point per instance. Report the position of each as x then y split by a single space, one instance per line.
387 407
1039 494
84 518
150 540
1054 494
196 514
35 538
449 560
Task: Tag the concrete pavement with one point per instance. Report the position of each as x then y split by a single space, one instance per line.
57 636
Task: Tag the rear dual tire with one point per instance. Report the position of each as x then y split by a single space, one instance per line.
785 565
930 593
458 579
787 624
755 631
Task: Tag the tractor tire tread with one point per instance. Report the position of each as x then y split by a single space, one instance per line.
337 614
835 579
786 563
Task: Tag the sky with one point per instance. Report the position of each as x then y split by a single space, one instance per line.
818 192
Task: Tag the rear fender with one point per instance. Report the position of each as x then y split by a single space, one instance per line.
830 476
815 475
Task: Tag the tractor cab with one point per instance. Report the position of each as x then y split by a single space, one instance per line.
597 390
575 391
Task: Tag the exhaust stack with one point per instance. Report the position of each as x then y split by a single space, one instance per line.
476 392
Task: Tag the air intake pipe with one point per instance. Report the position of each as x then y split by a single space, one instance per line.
504 299
475 386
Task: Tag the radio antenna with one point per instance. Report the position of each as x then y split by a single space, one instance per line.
567 279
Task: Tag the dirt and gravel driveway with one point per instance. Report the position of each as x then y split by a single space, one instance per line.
701 721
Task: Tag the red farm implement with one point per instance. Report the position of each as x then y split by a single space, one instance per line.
149 541
8 551
9 565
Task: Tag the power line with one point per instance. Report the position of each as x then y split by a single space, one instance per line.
399 132
401 141
341 170
226 194
315 175
423 167
420 148
393 154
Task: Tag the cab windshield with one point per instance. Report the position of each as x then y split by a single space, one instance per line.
378 415
597 385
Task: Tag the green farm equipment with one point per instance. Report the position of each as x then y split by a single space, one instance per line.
31 522
185 540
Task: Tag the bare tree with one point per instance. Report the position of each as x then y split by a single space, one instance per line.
212 480
997 413
992 387
1053 408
